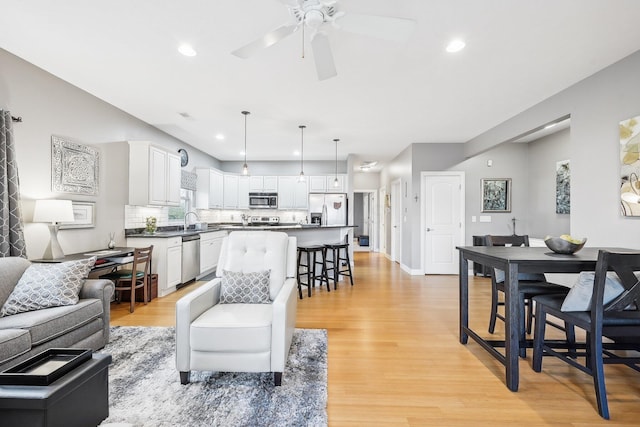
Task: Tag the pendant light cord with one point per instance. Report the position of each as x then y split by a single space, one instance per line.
302 151
245 168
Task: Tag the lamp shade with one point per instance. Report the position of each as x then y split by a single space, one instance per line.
53 211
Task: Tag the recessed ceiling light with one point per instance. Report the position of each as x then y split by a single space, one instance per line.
296 153
219 137
187 50
455 45
242 153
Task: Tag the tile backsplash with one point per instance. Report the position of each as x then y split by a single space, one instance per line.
135 216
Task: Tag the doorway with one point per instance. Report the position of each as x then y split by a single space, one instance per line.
396 221
442 217
365 218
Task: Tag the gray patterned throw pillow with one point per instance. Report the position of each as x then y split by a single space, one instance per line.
245 288
48 285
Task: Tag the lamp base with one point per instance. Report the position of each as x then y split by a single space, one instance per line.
53 251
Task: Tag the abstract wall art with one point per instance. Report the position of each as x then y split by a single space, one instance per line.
630 166
74 167
496 195
563 187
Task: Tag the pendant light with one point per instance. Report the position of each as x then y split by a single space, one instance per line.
335 181
245 167
301 178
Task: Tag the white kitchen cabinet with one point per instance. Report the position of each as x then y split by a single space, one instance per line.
243 192
317 184
154 175
210 247
263 184
209 189
292 193
166 260
230 191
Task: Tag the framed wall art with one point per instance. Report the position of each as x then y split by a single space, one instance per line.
74 167
563 187
496 195
84 215
630 166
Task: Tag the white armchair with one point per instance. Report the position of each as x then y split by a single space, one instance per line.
241 337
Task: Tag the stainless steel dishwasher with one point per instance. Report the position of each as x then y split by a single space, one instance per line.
190 257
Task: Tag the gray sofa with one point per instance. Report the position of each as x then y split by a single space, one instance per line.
83 325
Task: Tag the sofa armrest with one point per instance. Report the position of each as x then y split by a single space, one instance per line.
103 290
283 324
188 308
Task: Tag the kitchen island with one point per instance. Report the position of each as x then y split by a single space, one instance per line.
306 234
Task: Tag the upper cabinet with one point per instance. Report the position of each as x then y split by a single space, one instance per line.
243 192
292 193
230 191
154 175
326 184
263 184
209 189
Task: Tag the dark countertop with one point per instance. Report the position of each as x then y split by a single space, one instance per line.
229 227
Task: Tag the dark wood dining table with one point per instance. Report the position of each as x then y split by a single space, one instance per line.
514 260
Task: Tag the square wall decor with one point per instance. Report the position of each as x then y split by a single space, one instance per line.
496 195
74 167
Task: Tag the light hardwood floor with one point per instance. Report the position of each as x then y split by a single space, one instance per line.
395 359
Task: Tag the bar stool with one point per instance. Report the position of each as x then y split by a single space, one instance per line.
339 255
311 253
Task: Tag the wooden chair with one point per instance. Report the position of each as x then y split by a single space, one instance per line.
124 279
529 285
618 320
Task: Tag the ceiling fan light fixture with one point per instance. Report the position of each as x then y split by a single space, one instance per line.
455 45
245 167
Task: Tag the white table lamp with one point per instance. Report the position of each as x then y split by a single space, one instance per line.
55 212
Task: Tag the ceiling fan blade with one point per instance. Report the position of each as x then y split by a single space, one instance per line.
382 27
323 57
265 41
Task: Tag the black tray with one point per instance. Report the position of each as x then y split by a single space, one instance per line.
46 367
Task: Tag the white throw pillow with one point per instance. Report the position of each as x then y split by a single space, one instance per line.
579 297
245 288
45 285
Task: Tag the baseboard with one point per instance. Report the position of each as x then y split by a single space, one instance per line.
413 272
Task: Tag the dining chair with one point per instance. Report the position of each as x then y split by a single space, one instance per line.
127 280
617 319
529 285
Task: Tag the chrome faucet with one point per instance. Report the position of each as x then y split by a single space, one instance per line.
185 219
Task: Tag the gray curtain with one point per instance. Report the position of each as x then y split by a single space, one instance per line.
11 231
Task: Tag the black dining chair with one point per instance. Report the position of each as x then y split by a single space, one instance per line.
529 285
618 320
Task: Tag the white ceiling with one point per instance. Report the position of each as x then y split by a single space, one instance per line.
385 97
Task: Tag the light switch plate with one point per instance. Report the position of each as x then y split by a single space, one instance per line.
473 218
485 218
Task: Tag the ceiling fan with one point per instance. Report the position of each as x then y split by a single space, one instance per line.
313 15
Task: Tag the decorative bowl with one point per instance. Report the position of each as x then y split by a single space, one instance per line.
563 246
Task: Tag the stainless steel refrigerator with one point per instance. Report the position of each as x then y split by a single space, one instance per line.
336 207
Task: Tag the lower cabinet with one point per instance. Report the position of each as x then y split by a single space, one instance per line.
166 260
210 247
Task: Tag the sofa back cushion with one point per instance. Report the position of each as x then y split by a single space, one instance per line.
252 251
11 269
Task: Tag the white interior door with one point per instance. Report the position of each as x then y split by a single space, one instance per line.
443 208
396 221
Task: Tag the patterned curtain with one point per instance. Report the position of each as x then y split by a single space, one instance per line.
11 233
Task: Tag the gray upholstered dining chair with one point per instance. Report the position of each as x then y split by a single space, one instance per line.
610 310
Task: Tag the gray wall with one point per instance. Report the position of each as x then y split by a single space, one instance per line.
50 106
544 153
596 105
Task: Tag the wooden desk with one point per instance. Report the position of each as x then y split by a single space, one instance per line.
102 256
514 260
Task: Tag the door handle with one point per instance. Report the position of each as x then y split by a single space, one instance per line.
429 229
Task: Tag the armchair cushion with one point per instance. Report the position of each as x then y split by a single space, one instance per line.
48 285
245 288
240 328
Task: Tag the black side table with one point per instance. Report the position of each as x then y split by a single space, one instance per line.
80 398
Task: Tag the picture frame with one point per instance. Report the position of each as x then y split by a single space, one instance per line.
496 194
84 214
74 167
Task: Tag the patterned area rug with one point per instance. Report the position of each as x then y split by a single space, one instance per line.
145 389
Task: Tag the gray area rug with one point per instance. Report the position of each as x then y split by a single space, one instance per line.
145 389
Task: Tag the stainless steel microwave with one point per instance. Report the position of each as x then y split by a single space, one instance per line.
263 200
